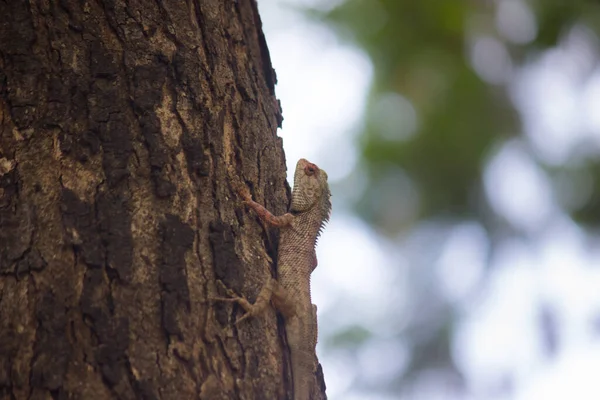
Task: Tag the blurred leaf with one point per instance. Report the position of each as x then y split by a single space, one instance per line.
349 337
420 52
589 213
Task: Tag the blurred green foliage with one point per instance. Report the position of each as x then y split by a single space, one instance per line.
419 51
432 124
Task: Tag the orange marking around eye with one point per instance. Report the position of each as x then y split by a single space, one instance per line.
310 169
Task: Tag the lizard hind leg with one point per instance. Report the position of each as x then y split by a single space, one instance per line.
252 310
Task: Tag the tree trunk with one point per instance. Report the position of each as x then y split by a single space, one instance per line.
120 124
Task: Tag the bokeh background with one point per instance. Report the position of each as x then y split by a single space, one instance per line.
462 142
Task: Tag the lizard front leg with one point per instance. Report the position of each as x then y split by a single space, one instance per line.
264 214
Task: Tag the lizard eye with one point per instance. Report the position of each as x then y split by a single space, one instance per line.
310 170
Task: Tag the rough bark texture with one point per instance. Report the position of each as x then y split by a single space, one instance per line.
120 122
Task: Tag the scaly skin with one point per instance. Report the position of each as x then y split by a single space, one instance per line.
296 260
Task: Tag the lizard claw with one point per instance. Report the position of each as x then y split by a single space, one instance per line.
241 301
245 195
243 317
242 191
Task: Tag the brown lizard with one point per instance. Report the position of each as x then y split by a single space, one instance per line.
290 293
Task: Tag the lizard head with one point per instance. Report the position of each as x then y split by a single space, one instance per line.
311 189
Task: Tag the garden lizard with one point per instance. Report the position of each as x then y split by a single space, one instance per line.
296 259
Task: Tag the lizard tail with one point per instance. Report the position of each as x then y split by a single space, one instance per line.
302 372
302 351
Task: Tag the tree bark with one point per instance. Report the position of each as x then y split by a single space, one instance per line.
120 125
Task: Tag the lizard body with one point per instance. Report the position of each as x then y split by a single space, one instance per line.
290 293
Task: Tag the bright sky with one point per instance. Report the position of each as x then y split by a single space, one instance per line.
323 86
